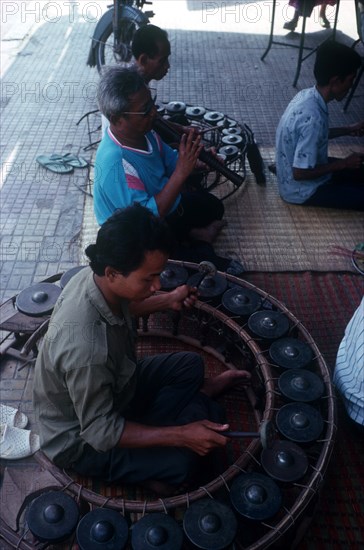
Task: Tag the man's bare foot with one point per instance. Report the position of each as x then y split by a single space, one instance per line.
208 233
225 381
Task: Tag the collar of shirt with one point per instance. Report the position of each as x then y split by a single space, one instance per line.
320 100
98 301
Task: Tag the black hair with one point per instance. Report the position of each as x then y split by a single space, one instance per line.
335 59
123 240
147 40
117 84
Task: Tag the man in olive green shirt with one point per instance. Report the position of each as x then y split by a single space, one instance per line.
99 410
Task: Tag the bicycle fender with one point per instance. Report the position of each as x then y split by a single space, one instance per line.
128 12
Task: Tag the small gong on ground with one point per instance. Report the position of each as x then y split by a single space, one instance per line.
102 529
291 353
38 300
175 107
285 461
241 301
255 496
67 276
229 151
52 517
173 276
209 286
195 112
301 385
210 524
268 324
299 422
213 116
156 531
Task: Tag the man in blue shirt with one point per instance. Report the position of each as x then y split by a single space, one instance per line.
306 175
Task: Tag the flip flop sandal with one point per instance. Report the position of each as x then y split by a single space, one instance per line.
55 164
16 443
74 161
12 417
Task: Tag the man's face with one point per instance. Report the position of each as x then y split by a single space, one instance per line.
143 110
144 281
156 67
341 87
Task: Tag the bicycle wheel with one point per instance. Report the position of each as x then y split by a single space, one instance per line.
108 53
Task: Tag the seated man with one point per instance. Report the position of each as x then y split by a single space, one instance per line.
151 50
349 370
305 173
102 412
134 165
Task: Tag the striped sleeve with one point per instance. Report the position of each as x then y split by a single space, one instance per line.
349 370
133 180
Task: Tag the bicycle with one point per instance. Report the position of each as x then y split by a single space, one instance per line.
114 32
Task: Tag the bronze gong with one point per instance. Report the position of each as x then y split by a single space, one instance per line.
210 524
255 496
291 353
234 130
299 422
52 517
232 139
268 324
241 301
285 461
208 286
156 531
173 276
195 112
176 107
229 151
38 300
301 385
213 116
102 528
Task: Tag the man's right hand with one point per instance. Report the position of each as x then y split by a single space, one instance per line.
203 436
354 161
188 153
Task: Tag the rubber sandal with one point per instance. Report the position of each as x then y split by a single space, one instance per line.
54 164
16 443
74 161
12 417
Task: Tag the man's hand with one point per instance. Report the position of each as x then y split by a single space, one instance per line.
354 161
188 153
356 129
182 296
203 436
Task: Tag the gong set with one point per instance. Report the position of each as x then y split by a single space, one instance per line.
275 468
231 140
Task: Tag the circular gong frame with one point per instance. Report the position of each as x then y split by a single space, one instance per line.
249 459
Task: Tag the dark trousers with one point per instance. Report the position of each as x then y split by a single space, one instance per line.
344 191
197 209
167 395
